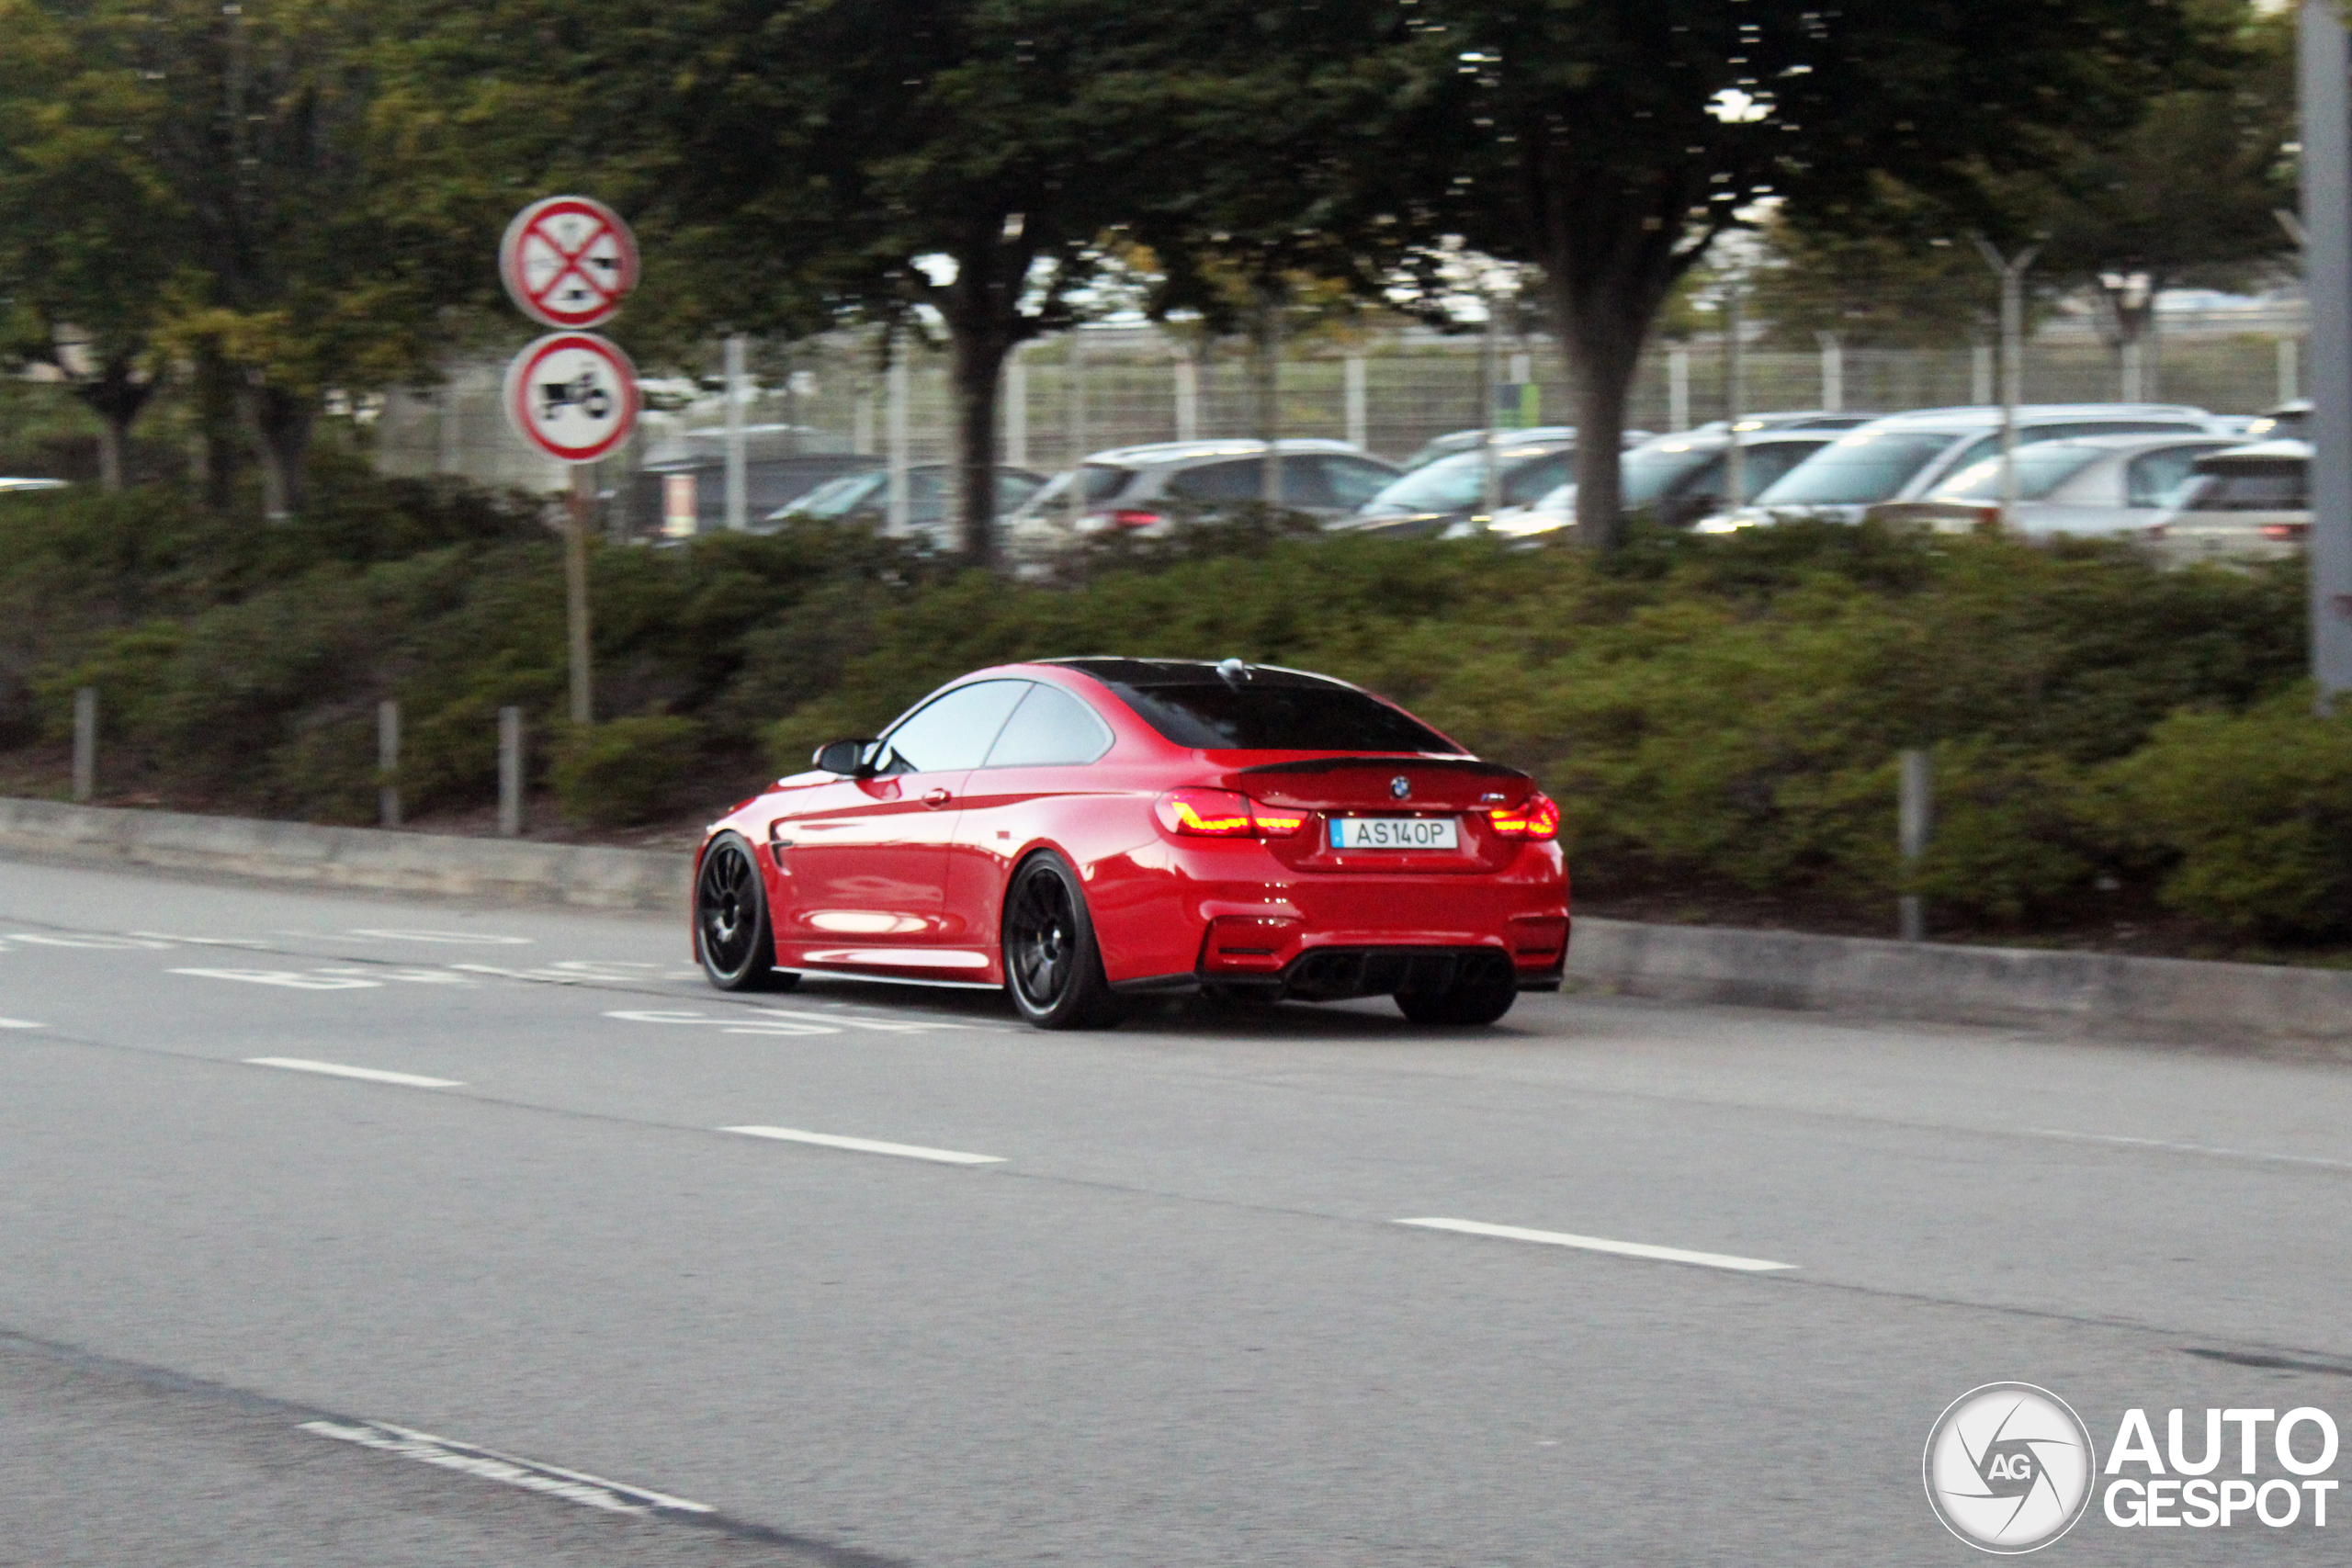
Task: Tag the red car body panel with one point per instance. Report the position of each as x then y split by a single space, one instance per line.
903 876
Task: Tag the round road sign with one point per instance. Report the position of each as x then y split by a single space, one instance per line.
568 260
572 395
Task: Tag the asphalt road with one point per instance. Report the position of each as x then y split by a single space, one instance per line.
1173 1320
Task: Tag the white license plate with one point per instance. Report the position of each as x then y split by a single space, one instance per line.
1393 833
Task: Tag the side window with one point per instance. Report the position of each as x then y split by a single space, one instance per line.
1354 481
2153 476
1765 464
1981 448
953 732
1051 728
1539 477
1302 481
1239 480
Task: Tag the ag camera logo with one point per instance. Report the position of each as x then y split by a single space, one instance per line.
2008 1467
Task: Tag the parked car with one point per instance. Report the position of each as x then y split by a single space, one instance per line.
1080 832
29 487
1678 479
864 497
2088 484
2245 504
1453 490
1904 456
769 483
1790 419
1149 490
2291 418
1467 440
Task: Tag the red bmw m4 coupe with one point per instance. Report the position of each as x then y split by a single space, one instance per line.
1083 831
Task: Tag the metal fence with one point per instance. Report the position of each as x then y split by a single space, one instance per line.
1112 386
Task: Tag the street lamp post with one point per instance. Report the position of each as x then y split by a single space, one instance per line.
2324 83
2011 272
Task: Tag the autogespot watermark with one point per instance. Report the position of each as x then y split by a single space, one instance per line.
2010 1468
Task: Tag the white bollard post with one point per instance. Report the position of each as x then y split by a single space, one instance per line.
1833 373
895 425
510 773
1678 388
387 763
2290 369
1188 396
86 743
1914 821
1359 410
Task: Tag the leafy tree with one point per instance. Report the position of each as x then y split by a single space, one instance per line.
241 203
85 233
1893 285
1611 142
948 165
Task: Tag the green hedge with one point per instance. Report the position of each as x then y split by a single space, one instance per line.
1711 713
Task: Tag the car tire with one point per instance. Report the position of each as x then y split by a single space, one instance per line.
1469 1003
734 941
1053 968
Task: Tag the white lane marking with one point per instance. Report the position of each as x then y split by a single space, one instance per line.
572 1485
86 938
484 938
2208 1150
1601 1244
170 938
747 1024
286 977
18 1024
337 1070
867 1145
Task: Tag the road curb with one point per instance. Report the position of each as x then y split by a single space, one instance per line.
2079 992
509 871
2097 993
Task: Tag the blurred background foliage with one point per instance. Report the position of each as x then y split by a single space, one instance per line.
1717 717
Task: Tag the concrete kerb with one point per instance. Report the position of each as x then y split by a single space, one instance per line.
495 870
2079 992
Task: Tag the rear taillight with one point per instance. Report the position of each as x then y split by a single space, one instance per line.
1224 814
1988 517
1133 519
2285 530
1535 818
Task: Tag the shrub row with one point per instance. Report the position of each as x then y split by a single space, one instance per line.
1718 713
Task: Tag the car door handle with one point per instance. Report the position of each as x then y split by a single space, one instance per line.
936 797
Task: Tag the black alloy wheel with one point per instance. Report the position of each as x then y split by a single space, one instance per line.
1051 964
732 936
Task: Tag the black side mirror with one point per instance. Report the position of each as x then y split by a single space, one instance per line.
846 758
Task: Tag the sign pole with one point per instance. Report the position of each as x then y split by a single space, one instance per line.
575 590
2325 87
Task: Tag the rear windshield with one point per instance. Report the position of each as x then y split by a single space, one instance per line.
2250 490
2041 469
1214 717
1096 481
1855 471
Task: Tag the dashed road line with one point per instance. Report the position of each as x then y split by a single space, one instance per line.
867 1145
337 1070
18 1024
291 979
571 1486
2208 1150
1602 1243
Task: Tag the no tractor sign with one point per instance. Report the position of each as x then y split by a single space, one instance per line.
572 395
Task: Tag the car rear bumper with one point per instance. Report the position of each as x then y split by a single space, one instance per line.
1233 915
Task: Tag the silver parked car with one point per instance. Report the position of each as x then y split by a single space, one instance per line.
2087 484
1680 479
2245 504
1434 498
1905 456
1149 490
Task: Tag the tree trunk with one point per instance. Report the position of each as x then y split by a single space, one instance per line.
281 423
978 371
1610 257
218 445
116 397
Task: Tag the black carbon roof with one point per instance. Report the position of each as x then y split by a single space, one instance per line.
1172 672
